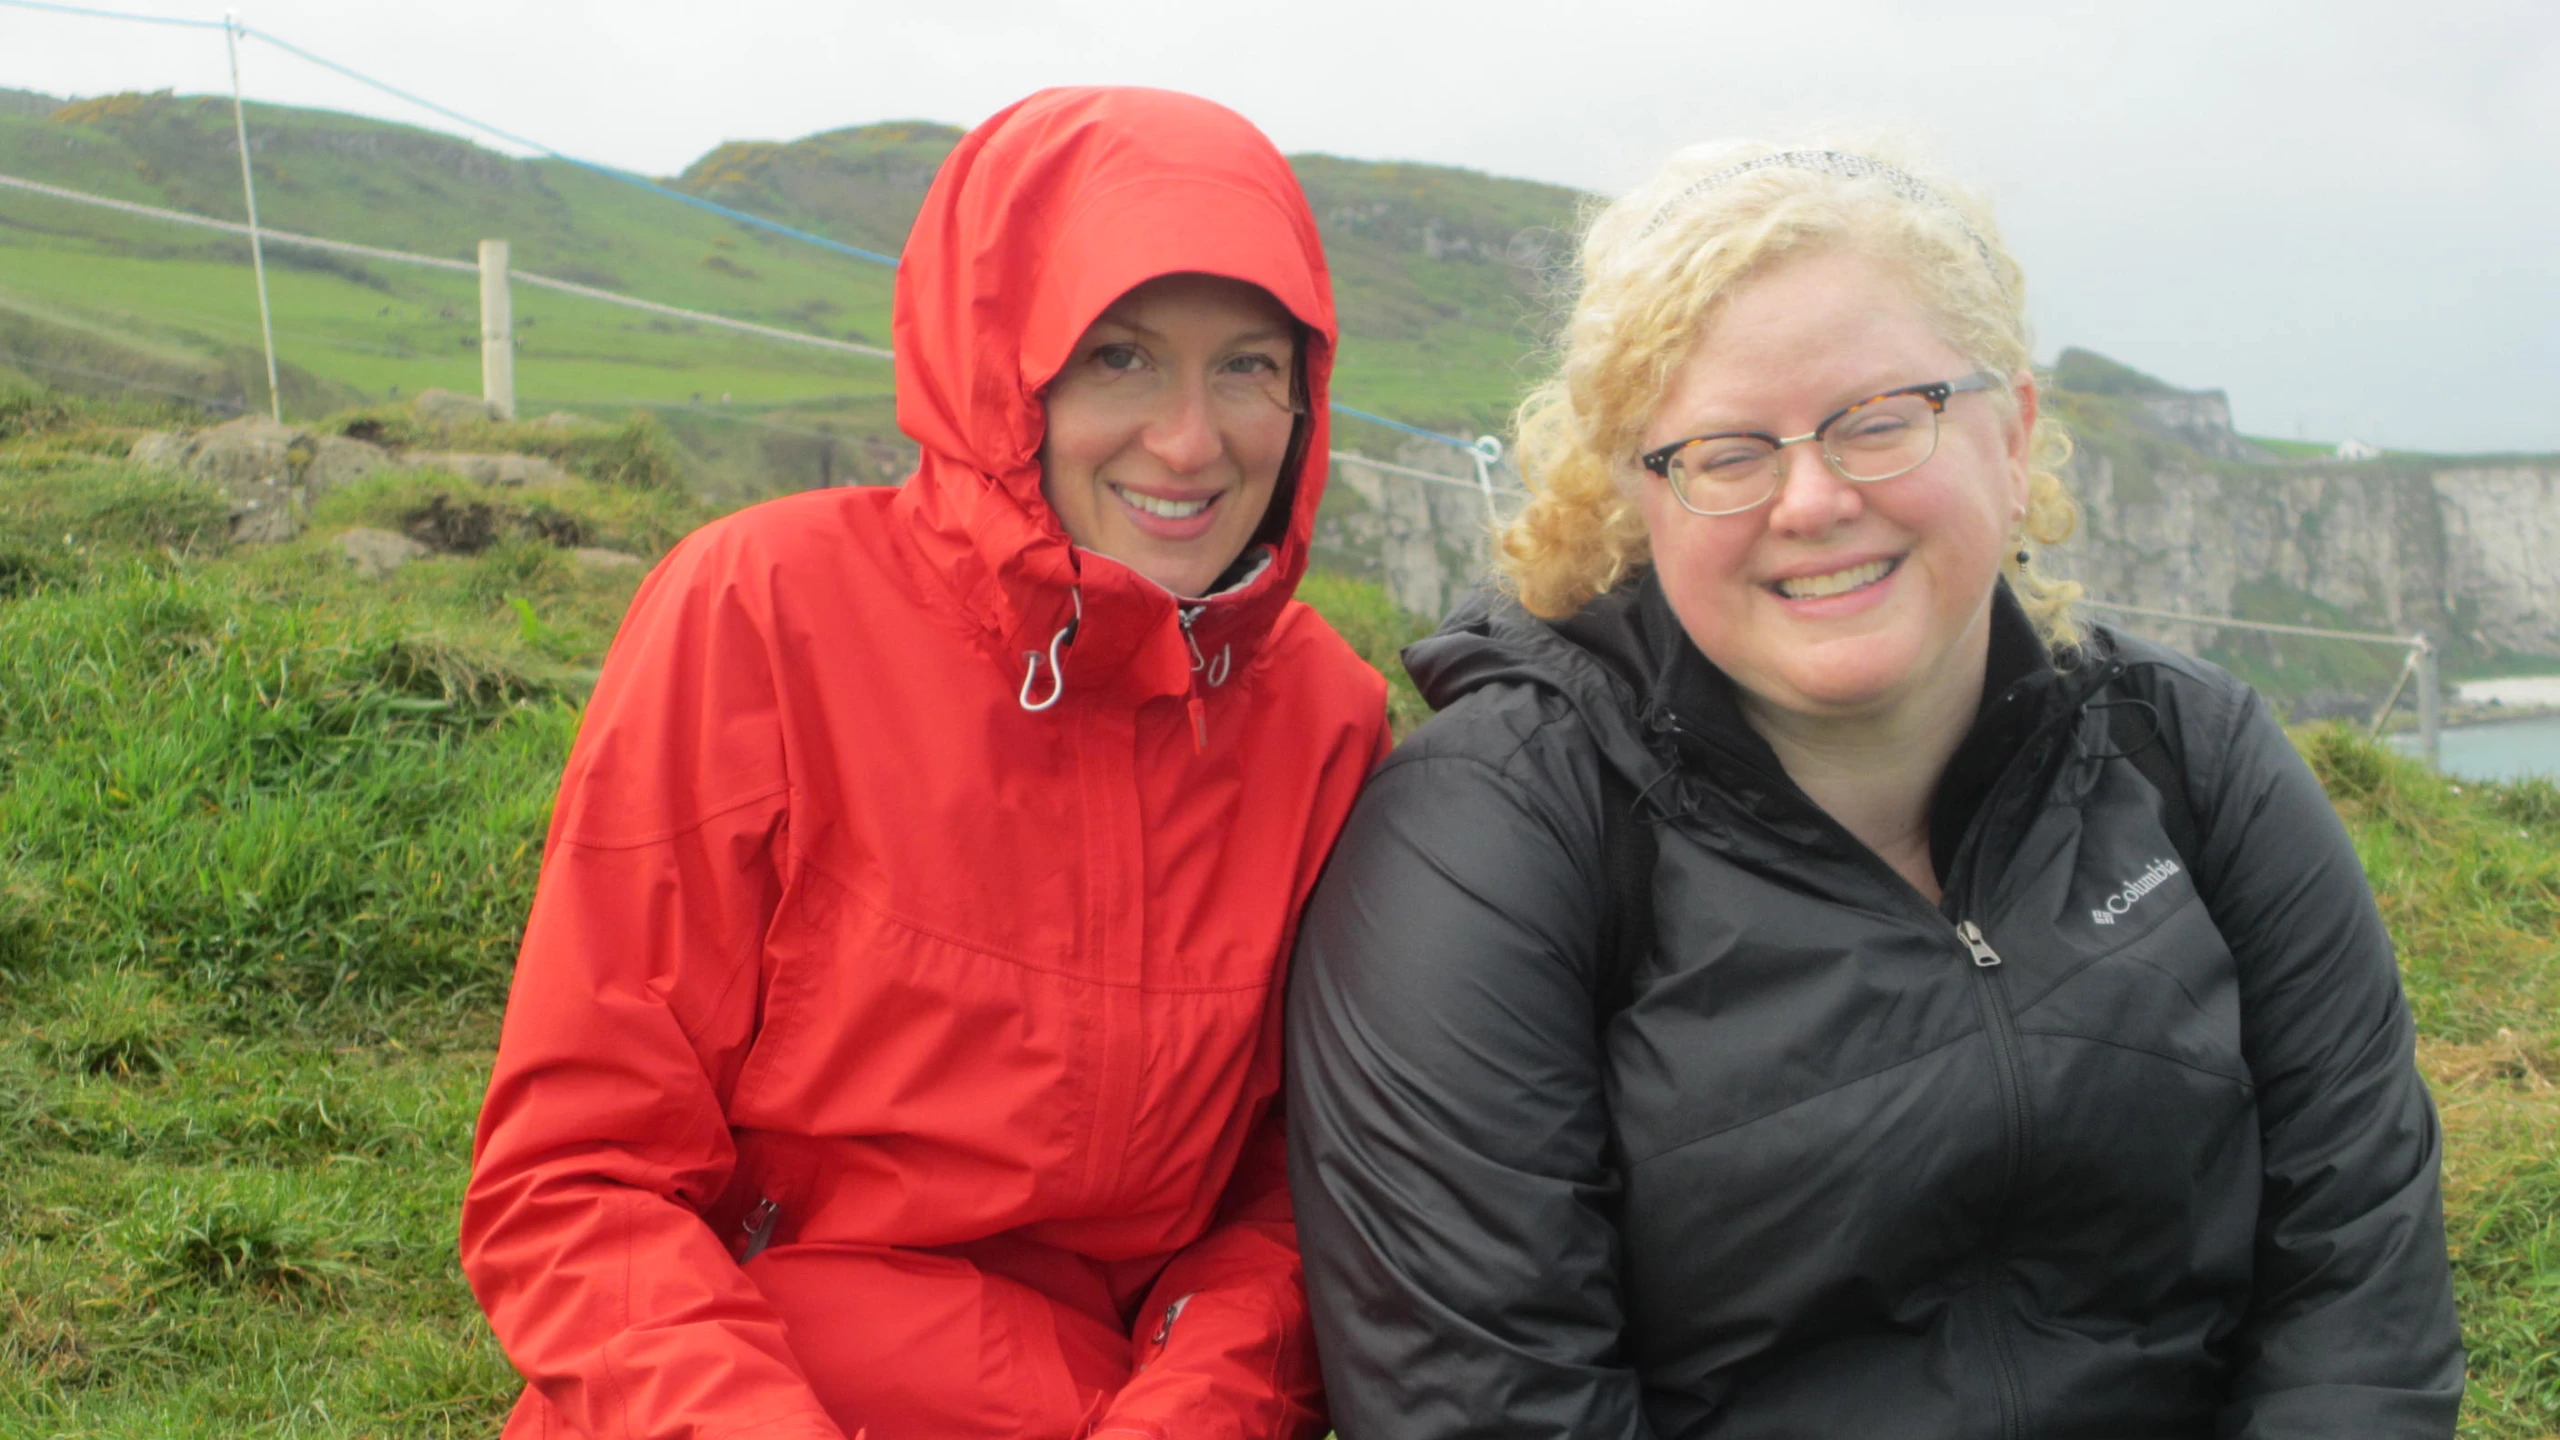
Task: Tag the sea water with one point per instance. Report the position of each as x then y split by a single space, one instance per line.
2500 750
2503 749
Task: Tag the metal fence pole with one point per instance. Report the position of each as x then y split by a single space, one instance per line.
249 193
497 332
1487 452
2430 705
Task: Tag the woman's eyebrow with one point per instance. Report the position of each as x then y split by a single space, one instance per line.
1856 395
1258 336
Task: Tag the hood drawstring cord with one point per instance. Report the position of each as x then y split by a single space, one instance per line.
1213 671
1216 670
1057 676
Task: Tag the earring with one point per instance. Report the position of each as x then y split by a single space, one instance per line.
2022 559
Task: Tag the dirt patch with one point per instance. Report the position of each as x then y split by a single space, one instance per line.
464 528
2507 1061
467 527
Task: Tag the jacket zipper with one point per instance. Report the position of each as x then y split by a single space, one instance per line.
1998 1024
1990 993
2002 1029
1198 707
759 1224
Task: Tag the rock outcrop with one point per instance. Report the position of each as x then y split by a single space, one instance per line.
1426 541
271 472
274 473
2467 554
508 471
376 553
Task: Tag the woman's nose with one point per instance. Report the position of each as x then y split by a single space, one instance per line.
1812 498
1183 433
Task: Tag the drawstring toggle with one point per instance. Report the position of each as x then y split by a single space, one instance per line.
1057 676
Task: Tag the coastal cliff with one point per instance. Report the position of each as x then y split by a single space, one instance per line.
2467 553
2180 513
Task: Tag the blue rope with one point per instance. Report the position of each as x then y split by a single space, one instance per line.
625 176
114 15
1454 444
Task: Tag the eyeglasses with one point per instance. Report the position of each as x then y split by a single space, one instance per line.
1878 438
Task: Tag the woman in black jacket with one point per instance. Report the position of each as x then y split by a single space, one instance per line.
1802 983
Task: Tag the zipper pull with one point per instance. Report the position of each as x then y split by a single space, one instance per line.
1984 957
759 1224
1190 615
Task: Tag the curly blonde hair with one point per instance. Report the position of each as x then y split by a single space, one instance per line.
1656 267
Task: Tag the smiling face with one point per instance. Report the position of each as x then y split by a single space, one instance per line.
1835 600
1168 426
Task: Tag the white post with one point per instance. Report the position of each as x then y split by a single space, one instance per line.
497 333
249 192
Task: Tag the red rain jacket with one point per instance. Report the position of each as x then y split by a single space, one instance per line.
972 1011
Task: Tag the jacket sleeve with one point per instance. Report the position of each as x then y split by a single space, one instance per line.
603 1137
2351 1328
1448 1133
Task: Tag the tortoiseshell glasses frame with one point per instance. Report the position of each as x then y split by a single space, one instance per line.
1885 435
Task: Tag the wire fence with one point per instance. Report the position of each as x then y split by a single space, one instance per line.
436 262
1491 478
2318 681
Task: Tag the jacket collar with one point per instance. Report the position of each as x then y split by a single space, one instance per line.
1656 703
2022 689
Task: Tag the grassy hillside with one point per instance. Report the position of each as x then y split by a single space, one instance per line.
268 830
87 297
1437 269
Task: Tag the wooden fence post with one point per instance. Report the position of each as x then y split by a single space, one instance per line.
497 333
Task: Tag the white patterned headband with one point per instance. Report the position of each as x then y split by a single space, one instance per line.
1829 162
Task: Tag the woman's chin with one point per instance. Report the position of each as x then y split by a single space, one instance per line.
1843 680
1186 576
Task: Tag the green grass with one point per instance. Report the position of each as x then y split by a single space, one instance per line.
2469 880
1376 627
2294 449
267 832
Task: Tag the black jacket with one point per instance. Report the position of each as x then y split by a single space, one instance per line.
2152 1159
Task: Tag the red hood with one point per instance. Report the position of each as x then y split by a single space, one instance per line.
1039 220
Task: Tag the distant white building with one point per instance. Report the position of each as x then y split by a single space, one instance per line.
2358 450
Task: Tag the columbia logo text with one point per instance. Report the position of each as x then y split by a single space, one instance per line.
2141 885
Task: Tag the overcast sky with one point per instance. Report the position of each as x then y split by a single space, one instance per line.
2343 213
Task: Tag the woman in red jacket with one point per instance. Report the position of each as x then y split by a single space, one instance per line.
895 1039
